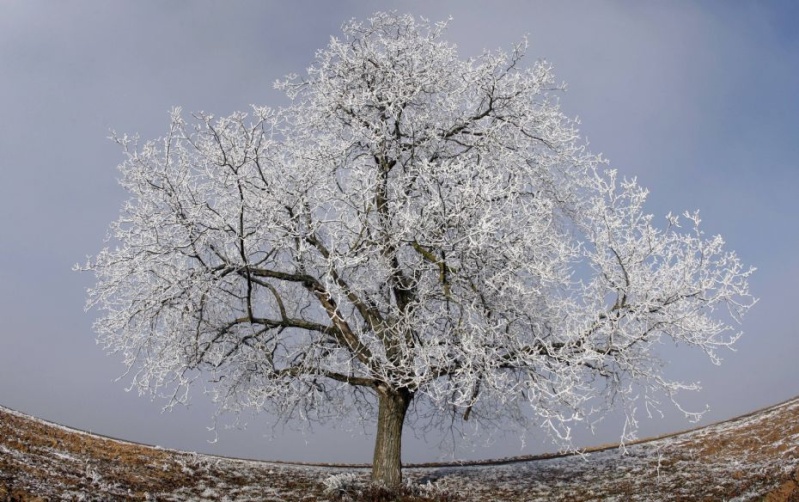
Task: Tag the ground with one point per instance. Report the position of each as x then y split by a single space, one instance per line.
754 457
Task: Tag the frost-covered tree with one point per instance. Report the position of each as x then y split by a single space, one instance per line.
413 228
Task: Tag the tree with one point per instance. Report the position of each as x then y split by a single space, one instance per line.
412 228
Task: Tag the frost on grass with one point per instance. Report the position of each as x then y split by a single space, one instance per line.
350 486
744 459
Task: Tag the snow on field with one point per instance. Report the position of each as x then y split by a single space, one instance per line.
743 459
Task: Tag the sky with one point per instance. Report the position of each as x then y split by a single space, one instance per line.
698 100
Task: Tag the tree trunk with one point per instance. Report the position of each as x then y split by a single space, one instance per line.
387 463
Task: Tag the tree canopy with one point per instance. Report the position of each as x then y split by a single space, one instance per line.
414 227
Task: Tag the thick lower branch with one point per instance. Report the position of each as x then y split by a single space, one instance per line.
342 331
370 315
295 371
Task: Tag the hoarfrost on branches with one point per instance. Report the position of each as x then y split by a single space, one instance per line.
414 227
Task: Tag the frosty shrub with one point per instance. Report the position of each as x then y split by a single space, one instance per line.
343 485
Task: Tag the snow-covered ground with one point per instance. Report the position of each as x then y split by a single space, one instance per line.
742 459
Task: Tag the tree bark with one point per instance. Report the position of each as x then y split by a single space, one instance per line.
387 462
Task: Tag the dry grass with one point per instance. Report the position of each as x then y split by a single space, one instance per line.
755 457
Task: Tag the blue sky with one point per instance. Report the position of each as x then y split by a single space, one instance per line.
697 99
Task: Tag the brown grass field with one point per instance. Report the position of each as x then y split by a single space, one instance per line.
754 457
